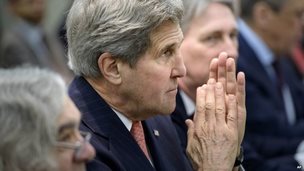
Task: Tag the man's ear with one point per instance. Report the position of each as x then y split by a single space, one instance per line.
263 14
108 66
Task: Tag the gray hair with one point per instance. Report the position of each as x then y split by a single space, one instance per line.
194 8
248 5
121 28
30 102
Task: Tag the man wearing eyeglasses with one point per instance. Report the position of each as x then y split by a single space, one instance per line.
40 124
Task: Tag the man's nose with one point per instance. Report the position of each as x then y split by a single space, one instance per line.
179 69
231 47
87 153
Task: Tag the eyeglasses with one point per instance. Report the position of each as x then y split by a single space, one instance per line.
78 146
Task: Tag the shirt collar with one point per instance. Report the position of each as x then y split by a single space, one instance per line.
127 122
188 103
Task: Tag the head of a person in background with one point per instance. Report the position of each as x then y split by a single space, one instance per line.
128 50
209 27
277 22
29 10
39 124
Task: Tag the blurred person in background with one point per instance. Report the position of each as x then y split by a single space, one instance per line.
61 31
39 124
269 30
25 42
209 28
298 55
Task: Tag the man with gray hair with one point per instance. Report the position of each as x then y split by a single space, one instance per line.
39 124
126 56
274 95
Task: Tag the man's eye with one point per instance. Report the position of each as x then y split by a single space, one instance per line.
67 137
212 38
168 53
233 35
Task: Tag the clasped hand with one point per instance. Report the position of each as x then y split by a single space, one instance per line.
217 129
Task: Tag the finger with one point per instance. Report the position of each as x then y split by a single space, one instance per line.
231 76
199 116
232 112
221 71
241 94
190 138
220 109
190 133
210 102
213 68
241 97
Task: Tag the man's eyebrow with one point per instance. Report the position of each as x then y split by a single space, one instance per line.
68 125
169 46
172 45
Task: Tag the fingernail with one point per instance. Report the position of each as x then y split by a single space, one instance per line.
218 86
224 54
211 81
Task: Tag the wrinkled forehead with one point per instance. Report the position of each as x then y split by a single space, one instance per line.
214 17
161 32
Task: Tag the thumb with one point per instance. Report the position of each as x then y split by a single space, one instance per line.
190 126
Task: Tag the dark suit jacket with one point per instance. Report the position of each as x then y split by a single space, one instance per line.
115 147
270 141
179 116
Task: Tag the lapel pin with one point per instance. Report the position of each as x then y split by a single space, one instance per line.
156 133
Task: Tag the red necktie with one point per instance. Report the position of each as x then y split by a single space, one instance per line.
137 132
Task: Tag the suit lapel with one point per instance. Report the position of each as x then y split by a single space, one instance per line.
164 145
256 71
105 124
180 114
295 86
178 117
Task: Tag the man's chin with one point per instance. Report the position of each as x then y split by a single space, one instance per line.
169 110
